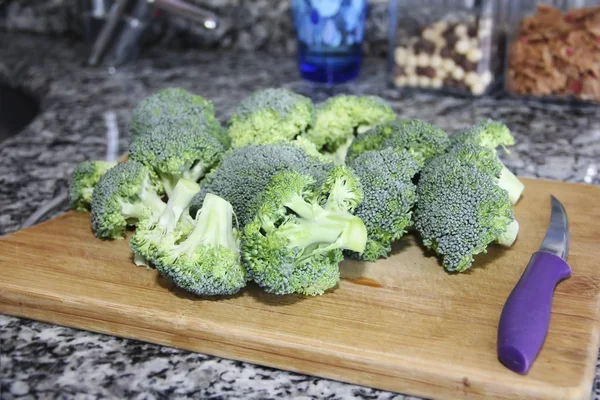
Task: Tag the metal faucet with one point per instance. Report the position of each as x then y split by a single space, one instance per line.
120 34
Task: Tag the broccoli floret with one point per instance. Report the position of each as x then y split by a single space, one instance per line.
152 231
269 116
177 152
423 140
461 210
340 118
487 133
125 195
176 107
310 149
293 245
493 134
83 179
208 261
244 173
341 191
390 196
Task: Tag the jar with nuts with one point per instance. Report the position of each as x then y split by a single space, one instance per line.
553 52
446 47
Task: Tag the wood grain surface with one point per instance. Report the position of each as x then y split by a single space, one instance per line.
401 324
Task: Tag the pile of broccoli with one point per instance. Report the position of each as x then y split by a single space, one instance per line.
289 189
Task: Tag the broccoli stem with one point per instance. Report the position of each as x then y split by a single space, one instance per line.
196 172
86 194
139 260
510 235
336 230
178 202
214 227
509 182
301 207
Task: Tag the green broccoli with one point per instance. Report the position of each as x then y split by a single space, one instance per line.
171 223
176 107
460 211
177 152
493 134
390 196
269 116
341 190
245 172
83 179
423 140
208 261
125 195
340 118
293 245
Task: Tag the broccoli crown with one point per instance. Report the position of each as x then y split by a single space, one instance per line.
208 261
293 245
123 196
177 152
423 140
245 172
269 116
474 155
487 133
169 225
83 180
341 117
461 210
176 107
341 191
390 195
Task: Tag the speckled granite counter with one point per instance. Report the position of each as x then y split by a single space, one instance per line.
40 360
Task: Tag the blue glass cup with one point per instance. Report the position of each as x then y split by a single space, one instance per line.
330 35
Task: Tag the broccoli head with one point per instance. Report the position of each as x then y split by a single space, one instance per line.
171 224
487 133
269 116
341 190
245 172
208 261
83 179
293 245
423 140
492 135
390 196
175 107
461 211
177 152
340 118
125 195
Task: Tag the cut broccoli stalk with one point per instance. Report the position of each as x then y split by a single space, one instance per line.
139 260
510 235
152 232
318 226
214 227
181 197
148 199
509 182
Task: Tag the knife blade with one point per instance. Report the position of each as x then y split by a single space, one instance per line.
525 317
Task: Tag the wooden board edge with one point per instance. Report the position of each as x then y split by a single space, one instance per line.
424 387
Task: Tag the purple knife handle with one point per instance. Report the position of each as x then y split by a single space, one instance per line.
526 314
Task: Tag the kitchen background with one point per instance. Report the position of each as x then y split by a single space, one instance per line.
553 142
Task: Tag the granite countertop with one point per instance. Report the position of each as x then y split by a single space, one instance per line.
41 360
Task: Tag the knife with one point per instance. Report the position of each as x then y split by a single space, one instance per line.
526 314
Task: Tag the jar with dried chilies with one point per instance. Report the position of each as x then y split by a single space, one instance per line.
447 46
554 52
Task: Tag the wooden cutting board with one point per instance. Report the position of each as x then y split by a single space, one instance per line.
400 324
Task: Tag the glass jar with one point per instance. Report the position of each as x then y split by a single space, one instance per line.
553 52
444 45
